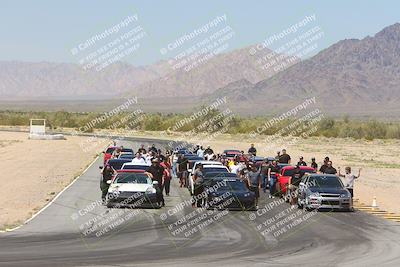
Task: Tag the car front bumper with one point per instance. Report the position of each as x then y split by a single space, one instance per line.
329 203
132 199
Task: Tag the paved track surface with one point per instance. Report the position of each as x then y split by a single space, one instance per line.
60 235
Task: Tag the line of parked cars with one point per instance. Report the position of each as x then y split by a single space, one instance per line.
132 183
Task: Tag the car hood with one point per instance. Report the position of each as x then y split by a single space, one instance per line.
328 190
132 187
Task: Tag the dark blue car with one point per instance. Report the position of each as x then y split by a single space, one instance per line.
229 193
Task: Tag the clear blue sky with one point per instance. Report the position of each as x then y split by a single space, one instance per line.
46 30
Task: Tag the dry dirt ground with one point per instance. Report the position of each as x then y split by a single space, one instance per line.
34 171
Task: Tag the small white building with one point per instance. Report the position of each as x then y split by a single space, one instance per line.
37 131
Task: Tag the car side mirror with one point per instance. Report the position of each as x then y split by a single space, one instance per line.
101 167
109 182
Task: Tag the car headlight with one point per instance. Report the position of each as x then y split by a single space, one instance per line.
114 189
151 190
344 195
247 194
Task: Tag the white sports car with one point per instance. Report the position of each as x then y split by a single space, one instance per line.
132 188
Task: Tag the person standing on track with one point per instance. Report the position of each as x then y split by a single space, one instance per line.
252 150
330 169
325 165
301 162
284 158
138 159
167 174
293 185
272 172
182 170
314 165
198 181
107 175
349 179
254 181
157 173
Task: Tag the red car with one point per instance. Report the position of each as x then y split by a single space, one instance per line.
285 174
231 153
108 153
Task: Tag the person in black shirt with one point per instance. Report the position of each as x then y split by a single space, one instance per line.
252 150
107 175
325 165
196 148
272 173
208 151
301 162
181 169
153 148
329 169
157 172
142 150
314 165
284 158
294 182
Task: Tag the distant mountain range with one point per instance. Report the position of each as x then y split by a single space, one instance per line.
352 76
360 77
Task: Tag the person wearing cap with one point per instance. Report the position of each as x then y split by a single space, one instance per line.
314 165
252 150
325 165
301 162
157 171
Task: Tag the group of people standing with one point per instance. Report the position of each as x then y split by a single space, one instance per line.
257 176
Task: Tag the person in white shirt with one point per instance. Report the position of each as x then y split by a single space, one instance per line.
200 152
235 168
349 179
138 159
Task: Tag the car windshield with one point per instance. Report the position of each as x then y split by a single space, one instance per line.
136 167
110 150
324 182
117 165
236 186
206 170
131 178
290 172
210 175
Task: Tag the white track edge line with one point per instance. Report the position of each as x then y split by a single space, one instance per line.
52 201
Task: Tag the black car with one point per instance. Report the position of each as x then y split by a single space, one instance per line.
231 194
129 150
117 163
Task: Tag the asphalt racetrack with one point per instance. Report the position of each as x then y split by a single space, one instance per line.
76 230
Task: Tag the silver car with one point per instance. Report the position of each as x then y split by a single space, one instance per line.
323 191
